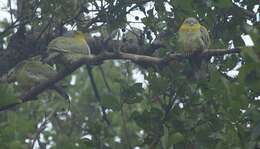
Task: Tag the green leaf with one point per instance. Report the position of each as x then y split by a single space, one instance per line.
223 3
111 102
149 120
7 95
249 76
157 84
255 132
86 143
176 138
185 5
17 145
133 94
250 55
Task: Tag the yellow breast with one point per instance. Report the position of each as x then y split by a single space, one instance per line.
80 39
190 28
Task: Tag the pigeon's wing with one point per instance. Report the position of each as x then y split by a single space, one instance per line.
205 37
60 44
39 71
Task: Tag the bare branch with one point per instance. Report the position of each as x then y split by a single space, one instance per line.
42 127
31 94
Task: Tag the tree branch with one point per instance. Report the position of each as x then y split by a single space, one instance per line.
32 93
97 95
42 127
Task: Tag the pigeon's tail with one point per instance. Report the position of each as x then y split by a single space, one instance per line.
199 68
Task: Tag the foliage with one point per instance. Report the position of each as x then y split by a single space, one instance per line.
168 109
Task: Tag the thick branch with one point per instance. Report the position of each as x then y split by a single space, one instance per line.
31 94
206 53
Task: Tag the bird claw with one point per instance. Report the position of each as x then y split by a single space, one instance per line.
188 54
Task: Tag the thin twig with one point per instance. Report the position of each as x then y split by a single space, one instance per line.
11 11
105 80
42 127
125 129
94 86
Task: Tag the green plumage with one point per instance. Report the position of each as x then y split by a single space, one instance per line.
30 73
193 38
67 49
